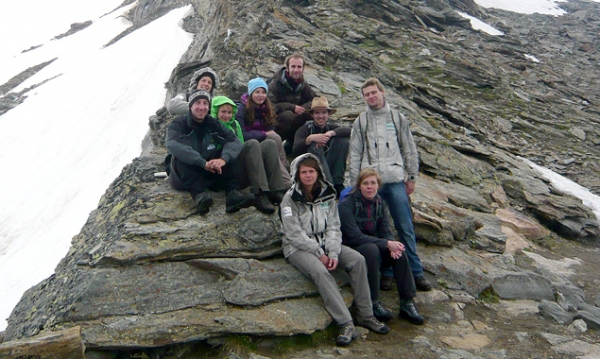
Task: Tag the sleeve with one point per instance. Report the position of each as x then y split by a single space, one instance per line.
178 144
340 131
356 151
294 234
352 234
178 105
333 235
308 94
410 156
251 134
273 96
232 146
300 146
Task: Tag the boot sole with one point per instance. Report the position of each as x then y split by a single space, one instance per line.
204 206
411 319
236 207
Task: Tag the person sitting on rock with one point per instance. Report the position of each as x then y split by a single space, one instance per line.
256 115
365 225
328 141
292 95
312 243
259 162
205 79
204 155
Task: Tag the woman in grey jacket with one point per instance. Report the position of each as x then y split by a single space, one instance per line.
312 242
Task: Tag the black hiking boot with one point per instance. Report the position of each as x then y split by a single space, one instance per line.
386 283
381 313
423 284
409 311
276 197
236 200
203 202
261 202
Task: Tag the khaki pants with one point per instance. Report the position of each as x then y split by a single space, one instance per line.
354 264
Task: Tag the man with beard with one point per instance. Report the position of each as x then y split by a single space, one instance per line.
292 96
381 139
204 155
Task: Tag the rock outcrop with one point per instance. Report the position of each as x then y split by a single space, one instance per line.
146 271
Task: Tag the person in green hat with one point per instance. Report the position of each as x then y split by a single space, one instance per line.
259 160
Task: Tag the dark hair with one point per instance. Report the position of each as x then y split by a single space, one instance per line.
312 163
270 116
295 55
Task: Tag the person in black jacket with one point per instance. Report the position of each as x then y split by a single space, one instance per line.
365 225
291 94
203 154
328 141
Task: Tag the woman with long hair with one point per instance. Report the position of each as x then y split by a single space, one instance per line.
312 243
365 225
256 115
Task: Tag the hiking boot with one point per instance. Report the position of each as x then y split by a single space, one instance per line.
261 202
347 334
235 200
409 311
386 283
276 197
203 202
423 284
373 325
381 313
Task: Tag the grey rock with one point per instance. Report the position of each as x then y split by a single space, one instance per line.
523 286
553 310
578 326
590 314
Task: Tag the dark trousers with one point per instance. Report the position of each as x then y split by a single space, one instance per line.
288 123
196 180
333 158
376 259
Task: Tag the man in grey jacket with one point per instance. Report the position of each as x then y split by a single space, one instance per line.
381 139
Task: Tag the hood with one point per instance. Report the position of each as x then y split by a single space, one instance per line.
199 73
218 101
296 164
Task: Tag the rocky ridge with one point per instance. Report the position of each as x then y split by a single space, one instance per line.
146 272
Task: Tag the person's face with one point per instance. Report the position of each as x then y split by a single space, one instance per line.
368 187
259 96
308 176
225 112
205 83
295 68
320 117
200 109
373 96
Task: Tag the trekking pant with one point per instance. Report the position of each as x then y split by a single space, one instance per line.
196 180
283 162
376 258
397 200
333 158
260 166
354 264
288 123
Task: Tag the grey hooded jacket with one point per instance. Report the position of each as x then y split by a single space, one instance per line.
314 226
178 105
374 143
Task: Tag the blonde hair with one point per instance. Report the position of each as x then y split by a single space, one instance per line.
367 172
372 81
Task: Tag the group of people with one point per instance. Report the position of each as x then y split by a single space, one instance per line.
215 143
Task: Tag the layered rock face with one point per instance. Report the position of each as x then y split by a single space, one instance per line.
146 271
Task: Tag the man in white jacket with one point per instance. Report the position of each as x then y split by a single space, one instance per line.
381 139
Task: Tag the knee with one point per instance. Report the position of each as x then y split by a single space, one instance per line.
252 144
269 144
285 118
370 251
